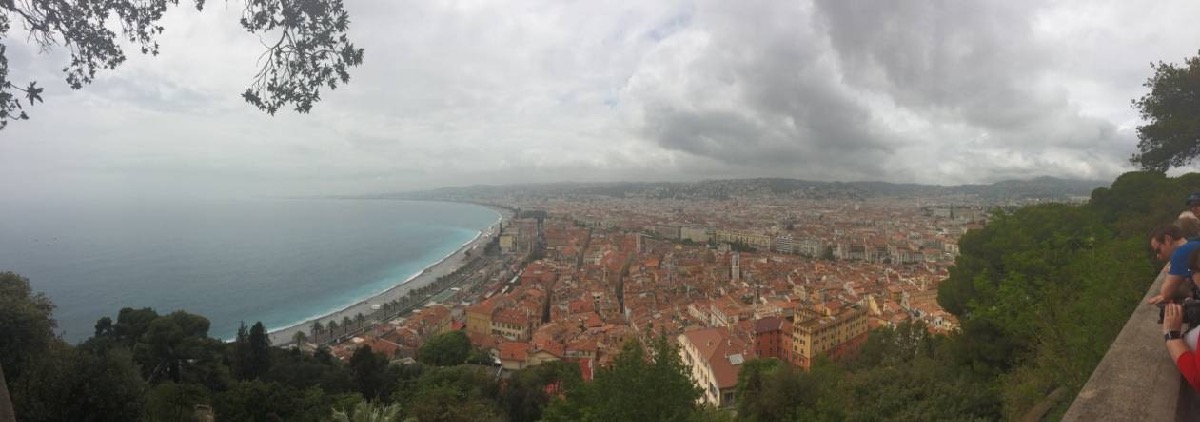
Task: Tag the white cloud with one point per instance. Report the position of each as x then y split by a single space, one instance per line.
470 92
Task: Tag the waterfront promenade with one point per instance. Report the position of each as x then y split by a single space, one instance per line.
428 276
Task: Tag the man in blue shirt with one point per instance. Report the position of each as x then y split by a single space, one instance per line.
1169 244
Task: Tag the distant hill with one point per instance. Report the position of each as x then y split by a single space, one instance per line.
1008 191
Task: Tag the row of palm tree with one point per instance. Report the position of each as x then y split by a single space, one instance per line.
322 332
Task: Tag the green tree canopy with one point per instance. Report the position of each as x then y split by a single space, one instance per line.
759 385
179 341
450 348
527 393
444 403
269 401
174 402
70 384
260 350
369 412
451 393
250 350
308 49
1171 136
132 324
371 373
636 388
26 326
898 345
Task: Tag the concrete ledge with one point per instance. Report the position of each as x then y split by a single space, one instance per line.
1136 380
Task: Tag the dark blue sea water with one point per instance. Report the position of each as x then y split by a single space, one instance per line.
276 261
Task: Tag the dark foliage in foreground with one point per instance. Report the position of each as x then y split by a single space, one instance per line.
308 50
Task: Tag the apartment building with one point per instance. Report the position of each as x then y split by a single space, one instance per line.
714 358
832 333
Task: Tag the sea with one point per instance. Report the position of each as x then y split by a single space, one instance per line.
276 261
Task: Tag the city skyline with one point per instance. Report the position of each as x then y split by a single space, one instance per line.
465 93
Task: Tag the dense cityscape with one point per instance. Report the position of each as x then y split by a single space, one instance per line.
729 280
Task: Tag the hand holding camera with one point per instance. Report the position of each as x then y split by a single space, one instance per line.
1188 312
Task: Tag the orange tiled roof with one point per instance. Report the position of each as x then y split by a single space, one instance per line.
381 347
514 351
510 316
553 347
718 348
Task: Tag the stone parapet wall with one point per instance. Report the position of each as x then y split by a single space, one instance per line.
1136 380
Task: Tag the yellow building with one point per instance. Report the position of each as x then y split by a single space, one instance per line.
430 321
512 325
823 332
479 317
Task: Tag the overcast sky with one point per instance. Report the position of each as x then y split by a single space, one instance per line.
478 92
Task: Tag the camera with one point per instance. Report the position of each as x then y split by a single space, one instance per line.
1190 312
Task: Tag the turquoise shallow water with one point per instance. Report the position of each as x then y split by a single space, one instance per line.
275 261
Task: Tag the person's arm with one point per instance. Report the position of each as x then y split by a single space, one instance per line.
1167 292
1185 359
1173 321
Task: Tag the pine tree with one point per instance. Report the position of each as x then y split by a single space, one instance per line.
259 351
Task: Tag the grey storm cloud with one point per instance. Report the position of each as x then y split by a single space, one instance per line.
977 63
819 85
938 54
778 100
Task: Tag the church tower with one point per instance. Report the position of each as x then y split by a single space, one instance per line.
735 272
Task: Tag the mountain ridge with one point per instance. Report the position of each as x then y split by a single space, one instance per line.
1043 188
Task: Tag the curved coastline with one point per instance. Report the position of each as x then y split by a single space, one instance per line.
444 266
